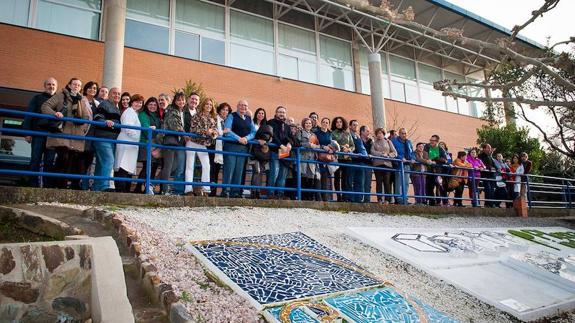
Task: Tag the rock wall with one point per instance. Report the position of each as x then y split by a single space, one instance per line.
45 282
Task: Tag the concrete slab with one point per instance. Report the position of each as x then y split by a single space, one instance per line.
489 264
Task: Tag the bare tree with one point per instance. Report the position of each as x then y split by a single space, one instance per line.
542 79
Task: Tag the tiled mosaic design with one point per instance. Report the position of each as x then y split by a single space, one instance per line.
283 267
377 305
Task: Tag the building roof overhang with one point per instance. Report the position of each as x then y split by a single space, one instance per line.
378 33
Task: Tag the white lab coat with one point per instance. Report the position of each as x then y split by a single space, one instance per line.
127 155
219 158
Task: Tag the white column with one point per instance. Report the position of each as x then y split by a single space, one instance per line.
115 25
376 87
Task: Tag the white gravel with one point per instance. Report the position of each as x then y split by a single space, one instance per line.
163 232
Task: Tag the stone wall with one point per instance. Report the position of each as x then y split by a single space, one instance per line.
45 282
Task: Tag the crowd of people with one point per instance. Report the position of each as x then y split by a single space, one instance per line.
254 144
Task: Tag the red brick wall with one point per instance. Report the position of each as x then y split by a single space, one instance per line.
29 56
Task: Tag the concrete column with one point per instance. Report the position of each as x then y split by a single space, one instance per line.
114 27
376 87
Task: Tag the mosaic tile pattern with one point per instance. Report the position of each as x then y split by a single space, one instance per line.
284 267
378 305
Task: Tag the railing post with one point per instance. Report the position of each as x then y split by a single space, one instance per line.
528 191
298 172
403 188
568 195
474 198
148 189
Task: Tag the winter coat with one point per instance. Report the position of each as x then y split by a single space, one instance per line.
307 139
148 119
383 148
127 155
343 138
200 124
75 108
107 110
173 121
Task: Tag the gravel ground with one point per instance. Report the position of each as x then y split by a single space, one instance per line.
164 232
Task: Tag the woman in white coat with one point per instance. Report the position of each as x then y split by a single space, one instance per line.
126 159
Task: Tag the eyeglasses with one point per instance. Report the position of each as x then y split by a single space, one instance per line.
432 140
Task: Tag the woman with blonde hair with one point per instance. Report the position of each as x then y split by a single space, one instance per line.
203 124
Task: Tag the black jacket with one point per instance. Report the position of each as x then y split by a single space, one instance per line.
31 123
280 137
489 165
187 119
107 110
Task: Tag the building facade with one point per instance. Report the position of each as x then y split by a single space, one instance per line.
307 55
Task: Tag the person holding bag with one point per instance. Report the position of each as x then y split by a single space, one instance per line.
309 171
174 121
382 147
203 124
68 103
458 183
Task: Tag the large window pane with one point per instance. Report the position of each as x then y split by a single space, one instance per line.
146 36
288 67
86 4
459 105
187 45
152 11
195 15
428 75
253 59
432 98
296 39
336 68
402 67
14 11
307 71
252 30
213 51
78 22
398 91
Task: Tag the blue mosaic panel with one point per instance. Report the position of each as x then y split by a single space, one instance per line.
296 316
283 267
384 305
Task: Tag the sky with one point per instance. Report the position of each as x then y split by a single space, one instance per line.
557 24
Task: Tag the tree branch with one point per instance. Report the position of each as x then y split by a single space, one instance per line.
548 5
550 142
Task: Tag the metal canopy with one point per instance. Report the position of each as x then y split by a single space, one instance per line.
377 33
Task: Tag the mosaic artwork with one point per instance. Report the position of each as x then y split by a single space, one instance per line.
553 240
557 265
376 305
284 267
460 243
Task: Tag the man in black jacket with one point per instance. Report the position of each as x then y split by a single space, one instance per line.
39 152
488 175
282 140
109 113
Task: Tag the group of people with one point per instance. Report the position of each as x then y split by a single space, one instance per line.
253 144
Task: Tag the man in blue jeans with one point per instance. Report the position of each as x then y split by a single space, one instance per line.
283 141
39 154
109 113
240 129
404 149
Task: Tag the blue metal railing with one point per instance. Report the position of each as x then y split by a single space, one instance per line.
540 191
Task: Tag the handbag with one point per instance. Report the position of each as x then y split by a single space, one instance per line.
326 157
261 152
453 184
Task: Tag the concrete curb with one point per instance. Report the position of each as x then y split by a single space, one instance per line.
159 292
13 195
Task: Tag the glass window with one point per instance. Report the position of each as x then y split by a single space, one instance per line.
336 69
402 67
213 51
253 59
296 39
14 12
398 91
252 43
146 36
288 67
252 30
307 71
77 22
456 105
86 4
152 11
187 45
193 15
429 75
